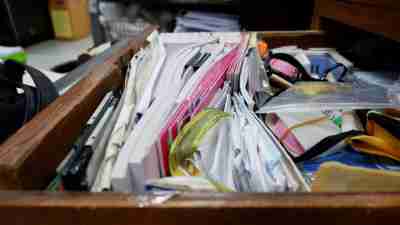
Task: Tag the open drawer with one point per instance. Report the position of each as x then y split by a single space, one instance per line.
28 159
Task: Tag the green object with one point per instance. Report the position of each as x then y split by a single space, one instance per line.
54 186
187 141
20 57
335 116
13 53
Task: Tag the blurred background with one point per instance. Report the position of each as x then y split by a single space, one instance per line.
50 33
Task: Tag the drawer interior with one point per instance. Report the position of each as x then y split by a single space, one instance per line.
29 158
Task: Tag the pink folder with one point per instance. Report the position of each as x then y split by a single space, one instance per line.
198 100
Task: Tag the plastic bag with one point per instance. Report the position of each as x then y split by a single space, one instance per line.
311 96
187 142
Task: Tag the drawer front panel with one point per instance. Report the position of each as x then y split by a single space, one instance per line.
67 208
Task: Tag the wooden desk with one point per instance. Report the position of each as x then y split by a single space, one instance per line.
30 147
376 16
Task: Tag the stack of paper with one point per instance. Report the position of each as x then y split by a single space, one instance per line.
169 85
188 76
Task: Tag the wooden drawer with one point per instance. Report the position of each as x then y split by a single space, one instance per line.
388 4
29 157
370 15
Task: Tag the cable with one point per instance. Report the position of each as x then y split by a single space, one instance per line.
342 75
305 123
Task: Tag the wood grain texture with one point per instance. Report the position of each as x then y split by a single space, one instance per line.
303 39
113 208
29 158
371 16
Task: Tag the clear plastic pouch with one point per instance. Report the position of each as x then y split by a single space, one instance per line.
311 96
